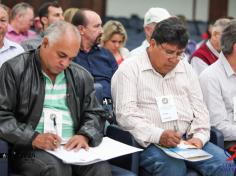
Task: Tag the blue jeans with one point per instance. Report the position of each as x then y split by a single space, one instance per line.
156 162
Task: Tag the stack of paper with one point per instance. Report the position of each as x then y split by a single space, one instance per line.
186 152
108 149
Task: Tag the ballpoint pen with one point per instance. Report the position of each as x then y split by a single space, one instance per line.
176 128
53 118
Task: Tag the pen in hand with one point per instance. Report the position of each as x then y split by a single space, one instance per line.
53 118
176 128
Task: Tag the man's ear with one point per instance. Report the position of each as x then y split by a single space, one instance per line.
81 29
152 43
45 42
44 20
234 48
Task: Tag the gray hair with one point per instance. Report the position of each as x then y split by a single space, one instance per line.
220 24
20 9
228 38
58 28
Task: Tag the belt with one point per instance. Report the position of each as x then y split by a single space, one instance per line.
106 101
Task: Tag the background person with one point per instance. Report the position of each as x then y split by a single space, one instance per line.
49 12
152 17
114 38
22 18
218 83
69 13
97 60
8 49
209 51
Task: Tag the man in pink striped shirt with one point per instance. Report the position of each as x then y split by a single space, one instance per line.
22 19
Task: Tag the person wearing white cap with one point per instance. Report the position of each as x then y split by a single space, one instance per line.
153 16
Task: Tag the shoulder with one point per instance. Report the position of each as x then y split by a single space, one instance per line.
102 53
19 64
211 73
124 52
13 44
136 50
79 72
32 33
184 68
31 43
133 64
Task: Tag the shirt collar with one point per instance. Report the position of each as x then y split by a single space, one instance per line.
212 49
228 69
10 29
7 44
145 61
94 48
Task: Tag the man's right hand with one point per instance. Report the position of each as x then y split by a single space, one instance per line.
46 141
170 138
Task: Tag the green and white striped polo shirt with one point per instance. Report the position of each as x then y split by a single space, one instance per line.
55 98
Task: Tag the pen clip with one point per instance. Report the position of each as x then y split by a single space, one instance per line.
53 118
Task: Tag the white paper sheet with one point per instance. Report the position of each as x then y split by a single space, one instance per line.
108 149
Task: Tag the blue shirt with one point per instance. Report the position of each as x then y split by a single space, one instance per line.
101 64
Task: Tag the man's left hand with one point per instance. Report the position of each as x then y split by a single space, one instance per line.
196 142
77 142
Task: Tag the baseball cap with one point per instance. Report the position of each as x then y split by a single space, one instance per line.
155 15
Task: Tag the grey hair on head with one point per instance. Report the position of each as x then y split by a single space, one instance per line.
56 30
20 8
228 38
220 24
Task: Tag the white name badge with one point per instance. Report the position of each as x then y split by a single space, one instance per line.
234 101
167 108
52 122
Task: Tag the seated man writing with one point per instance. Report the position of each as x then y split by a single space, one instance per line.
158 99
41 90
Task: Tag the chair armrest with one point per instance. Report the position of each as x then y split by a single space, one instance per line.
3 158
130 161
217 137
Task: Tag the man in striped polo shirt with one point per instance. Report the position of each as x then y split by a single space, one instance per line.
46 100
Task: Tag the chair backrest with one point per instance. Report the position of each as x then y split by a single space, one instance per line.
131 161
3 158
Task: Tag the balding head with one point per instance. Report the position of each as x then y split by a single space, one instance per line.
89 24
60 45
56 30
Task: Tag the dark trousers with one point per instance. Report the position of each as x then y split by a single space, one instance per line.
41 163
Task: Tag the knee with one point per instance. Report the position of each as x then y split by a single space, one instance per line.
102 169
58 170
170 167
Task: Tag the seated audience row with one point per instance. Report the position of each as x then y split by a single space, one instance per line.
153 89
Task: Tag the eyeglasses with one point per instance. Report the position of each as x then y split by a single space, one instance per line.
173 54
